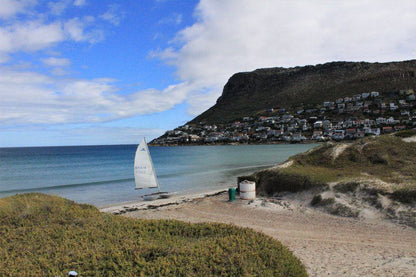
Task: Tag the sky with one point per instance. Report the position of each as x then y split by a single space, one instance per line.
90 72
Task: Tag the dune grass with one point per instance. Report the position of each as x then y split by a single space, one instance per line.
387 158
42 235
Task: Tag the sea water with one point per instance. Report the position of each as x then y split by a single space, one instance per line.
103 175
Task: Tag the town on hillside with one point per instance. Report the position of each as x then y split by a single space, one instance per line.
349 118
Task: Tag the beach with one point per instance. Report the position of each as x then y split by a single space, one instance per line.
327 245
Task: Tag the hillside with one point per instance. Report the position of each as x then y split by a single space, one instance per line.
42 235
375 172
247 93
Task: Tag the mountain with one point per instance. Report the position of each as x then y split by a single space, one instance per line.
248 93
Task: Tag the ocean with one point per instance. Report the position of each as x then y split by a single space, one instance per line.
103 175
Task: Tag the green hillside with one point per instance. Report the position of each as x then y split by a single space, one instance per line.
43 235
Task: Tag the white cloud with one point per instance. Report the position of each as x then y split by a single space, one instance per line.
79 3
230 36
35 98
112 15
58 7
9 8
174 19
76 29
29 36
57 62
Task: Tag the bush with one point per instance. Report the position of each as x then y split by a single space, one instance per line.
405 133
316 200
270 182
346 187
407 196
342 210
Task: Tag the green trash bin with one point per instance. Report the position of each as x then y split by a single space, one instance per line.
231 194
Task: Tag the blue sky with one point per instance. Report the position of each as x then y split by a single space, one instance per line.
82 72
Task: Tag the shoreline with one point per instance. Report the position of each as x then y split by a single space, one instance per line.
326 244
139 205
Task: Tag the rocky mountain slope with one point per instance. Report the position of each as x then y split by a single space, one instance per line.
248 93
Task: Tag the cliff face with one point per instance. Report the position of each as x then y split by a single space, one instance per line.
247 93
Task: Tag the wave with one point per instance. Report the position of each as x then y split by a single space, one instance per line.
67 186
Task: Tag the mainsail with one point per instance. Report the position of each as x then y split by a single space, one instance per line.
144 173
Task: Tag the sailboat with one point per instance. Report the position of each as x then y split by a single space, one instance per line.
144 173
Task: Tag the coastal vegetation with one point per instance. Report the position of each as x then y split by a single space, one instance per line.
379 172
42 235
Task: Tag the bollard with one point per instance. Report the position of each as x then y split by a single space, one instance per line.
231 194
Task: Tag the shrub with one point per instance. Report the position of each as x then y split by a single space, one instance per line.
405 133
316 200
406 195
342 210
270 182
346 187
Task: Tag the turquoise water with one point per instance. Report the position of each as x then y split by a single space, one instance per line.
103 175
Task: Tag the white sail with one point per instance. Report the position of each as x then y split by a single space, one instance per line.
144 173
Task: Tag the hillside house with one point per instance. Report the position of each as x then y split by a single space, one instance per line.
317 124
338 135
387 130
381 120
374 94
393 107
365 95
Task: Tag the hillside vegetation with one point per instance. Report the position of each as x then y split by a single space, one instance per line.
248 93
43 235
380 171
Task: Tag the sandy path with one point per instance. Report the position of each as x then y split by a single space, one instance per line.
326 244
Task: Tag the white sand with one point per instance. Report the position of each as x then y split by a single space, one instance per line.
327 245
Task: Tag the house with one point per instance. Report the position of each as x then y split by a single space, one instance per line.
374 94
365 95
338 135
404 113
326 124
317 125
411 97
328 104
392 121
356 97
381 120
194 138
359 134
297 137
316 134
399 127
371 131
392 107
387 129
350 133
275 133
